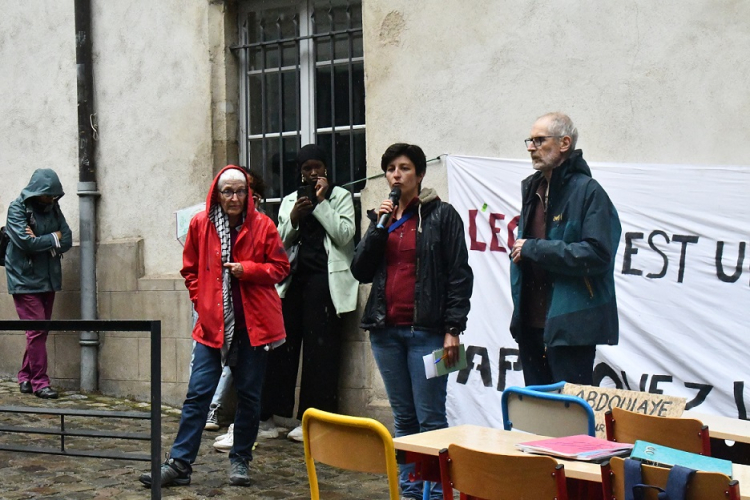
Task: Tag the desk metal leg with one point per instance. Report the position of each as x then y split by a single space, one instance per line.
426 468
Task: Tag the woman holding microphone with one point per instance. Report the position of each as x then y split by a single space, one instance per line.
414 254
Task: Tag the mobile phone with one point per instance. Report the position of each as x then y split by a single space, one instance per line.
309 192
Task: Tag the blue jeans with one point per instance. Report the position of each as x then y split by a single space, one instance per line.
226 375
418 403
225 381
248 380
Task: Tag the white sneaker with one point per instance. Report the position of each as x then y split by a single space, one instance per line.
267 429
225 444
296 434
223 436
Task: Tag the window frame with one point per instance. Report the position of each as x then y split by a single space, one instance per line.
306 93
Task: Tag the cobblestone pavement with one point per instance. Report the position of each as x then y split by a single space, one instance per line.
278 469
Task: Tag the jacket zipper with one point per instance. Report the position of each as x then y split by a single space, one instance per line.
416 281
588 285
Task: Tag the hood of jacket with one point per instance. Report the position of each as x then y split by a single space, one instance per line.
44 181
213 194
574 164
427 195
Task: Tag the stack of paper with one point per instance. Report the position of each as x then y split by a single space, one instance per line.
580 447
434 364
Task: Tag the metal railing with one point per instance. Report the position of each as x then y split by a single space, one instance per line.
154 327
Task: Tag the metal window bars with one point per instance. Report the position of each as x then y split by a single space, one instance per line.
297 72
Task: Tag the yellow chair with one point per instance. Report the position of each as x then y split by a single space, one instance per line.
351 443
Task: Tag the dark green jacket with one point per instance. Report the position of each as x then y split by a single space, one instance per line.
583 231
32 264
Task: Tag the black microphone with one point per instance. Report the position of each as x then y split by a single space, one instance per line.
394 197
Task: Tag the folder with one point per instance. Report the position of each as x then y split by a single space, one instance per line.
580 447
663 456
434 364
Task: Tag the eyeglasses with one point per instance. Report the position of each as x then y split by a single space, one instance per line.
228 194
538 141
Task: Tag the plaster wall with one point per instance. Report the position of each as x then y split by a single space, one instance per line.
38 106
662 82
165 95
153 80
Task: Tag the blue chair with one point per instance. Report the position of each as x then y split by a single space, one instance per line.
542 410
556 387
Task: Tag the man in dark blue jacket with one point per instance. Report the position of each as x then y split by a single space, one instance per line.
562 275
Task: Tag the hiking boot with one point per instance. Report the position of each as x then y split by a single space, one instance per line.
238 472
212 421
173 473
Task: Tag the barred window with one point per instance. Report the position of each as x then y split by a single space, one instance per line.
301 82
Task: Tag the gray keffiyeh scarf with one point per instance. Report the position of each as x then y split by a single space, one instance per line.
221 222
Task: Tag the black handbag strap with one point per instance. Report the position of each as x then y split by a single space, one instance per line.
632 477
677 482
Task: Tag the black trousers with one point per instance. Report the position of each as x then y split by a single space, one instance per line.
313 327
574 364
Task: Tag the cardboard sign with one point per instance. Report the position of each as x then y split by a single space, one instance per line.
603 399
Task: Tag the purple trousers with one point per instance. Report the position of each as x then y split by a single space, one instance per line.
35 306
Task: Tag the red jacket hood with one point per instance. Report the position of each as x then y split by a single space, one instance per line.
213 193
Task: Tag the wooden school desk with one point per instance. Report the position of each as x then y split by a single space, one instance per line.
720 427
726 428
423 449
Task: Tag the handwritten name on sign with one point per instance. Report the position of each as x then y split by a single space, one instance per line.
603 399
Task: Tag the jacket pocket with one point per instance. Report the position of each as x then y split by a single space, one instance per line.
337 265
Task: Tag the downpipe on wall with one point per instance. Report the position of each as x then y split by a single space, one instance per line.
87 194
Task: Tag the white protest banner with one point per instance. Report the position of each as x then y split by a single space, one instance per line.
681 275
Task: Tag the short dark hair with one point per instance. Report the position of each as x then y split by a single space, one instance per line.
256 183
411 151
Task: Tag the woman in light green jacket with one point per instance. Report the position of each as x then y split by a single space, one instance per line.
319 220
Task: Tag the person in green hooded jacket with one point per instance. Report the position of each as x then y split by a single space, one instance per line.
39 235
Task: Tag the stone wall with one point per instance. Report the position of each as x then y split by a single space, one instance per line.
124 292
124 357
